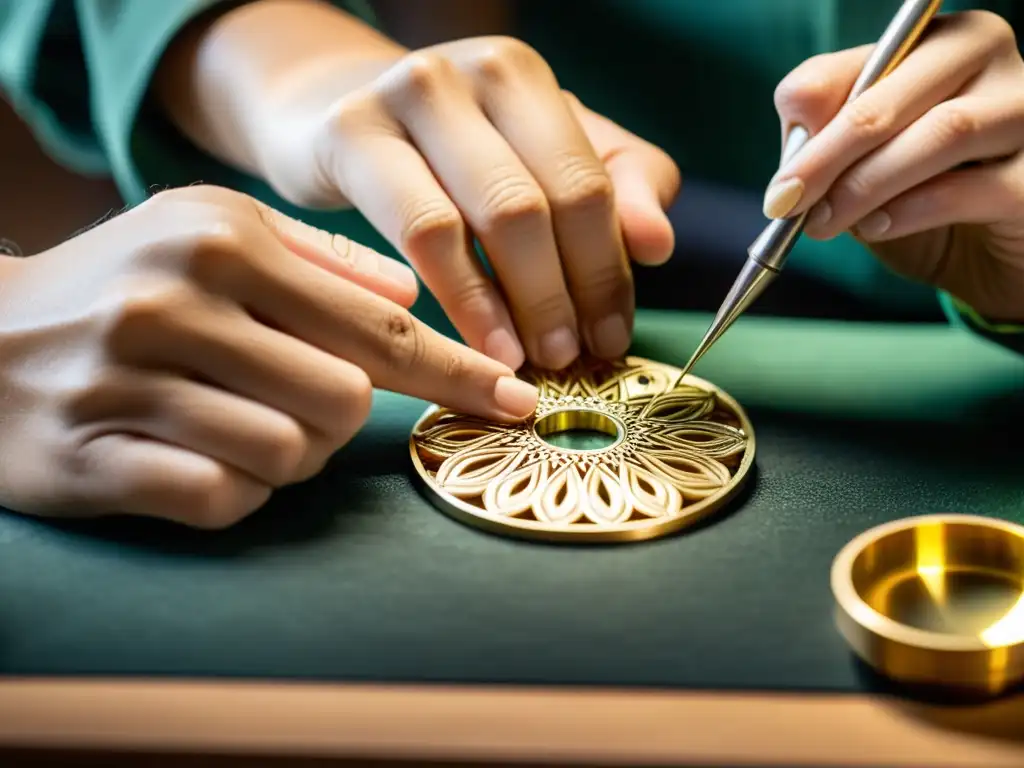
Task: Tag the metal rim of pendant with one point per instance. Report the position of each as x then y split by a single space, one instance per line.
680 450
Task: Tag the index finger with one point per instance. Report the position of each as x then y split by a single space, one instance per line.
931 73
342 256
398 352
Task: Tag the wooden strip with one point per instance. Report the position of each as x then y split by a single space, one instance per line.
506 724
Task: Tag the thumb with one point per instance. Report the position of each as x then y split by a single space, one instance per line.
646 182
342 256
813 93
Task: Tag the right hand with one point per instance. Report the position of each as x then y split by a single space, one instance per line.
193 354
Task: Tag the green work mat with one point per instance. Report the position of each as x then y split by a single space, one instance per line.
355 576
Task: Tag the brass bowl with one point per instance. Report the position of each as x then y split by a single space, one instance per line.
936 602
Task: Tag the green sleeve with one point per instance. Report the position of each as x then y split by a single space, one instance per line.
43 77
78 72
1008 335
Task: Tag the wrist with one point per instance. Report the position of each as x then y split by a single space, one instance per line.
965 314
245 82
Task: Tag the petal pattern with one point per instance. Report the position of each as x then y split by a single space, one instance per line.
448 436
468 473
517 491
718 441
606 500
681 444
696 476
648 493
683 404
561 500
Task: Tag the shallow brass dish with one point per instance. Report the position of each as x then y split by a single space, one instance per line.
936 602
675 449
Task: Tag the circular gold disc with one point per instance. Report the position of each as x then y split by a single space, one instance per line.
679 449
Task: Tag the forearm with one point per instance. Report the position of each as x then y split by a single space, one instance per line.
221 80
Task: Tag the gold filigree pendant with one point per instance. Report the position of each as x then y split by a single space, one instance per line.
678 449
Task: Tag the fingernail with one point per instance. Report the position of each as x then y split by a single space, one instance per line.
559 347
502 346
397 272
610 336
820 215
515 397
782 198
874 225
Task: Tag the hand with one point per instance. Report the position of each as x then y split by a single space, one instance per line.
475 139
926 166
191 355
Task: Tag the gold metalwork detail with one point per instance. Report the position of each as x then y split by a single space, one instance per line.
682 448
936 602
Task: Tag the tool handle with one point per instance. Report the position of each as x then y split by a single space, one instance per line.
773 245
892 47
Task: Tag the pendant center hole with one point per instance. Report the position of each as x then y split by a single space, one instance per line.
578 430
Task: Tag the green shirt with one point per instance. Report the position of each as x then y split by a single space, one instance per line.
693 76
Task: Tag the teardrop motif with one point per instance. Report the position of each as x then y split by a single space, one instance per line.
516 492
696 476
468 474
719 441
606 500
683 404
445 440
648 493
561 499
684 445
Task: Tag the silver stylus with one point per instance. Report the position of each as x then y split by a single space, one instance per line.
768 253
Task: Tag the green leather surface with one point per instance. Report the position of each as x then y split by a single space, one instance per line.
354 575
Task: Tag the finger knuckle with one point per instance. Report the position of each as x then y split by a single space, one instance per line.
934 197
849 191
347 119
995 28
472 295
344 250
431 226
349 411
455 367
142 317
357 397
550 308
572 99
420 75
212 499
287 448
955 125
219 253
803 92
505 57
604 286
869 120
403 340
512 201
586 187
349 405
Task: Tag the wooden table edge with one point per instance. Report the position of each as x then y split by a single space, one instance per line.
503 724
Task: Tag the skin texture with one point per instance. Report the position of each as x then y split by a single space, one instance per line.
431 146
202 350
926 167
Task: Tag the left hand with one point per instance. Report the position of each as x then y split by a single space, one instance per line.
926 167
475 139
